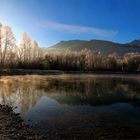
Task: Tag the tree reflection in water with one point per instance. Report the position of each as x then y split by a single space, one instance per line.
64 100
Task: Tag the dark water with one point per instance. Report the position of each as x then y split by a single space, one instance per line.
77 106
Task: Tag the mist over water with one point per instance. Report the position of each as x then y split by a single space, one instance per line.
77 105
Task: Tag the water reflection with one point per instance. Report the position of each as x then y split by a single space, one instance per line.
58 103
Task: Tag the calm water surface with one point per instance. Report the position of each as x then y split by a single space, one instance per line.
86 106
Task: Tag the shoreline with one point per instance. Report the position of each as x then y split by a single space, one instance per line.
7 72
13 127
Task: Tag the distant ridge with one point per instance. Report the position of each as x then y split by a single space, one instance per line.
103 46
135 42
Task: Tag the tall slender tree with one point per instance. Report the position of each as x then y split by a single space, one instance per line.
7 44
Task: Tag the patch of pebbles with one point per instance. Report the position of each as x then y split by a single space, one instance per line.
12 126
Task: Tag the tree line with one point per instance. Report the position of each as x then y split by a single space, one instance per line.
28 55
87 60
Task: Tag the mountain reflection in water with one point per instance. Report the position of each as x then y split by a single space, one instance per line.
68 103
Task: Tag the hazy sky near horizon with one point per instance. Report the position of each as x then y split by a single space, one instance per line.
50 21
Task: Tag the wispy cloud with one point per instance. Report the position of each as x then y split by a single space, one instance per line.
74 29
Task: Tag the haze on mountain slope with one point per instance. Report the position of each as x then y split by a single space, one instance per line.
105 47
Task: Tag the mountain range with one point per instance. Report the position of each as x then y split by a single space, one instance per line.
105 47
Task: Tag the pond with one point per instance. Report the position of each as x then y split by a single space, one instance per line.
76 106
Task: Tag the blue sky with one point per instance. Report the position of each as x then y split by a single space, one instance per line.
50 21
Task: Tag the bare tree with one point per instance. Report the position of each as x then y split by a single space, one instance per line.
7 44
1 42
26 45
35 51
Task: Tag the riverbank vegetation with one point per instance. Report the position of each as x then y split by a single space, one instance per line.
28 55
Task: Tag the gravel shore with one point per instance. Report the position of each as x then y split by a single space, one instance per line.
13 128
